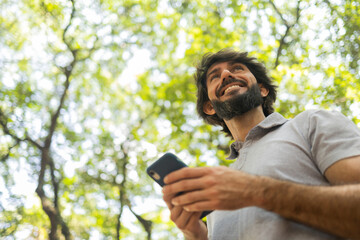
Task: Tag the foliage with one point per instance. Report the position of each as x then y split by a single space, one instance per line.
78 128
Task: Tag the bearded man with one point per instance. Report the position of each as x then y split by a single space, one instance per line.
292 179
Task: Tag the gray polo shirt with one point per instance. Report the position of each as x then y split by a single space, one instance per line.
297 150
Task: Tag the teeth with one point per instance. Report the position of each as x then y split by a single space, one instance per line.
231 87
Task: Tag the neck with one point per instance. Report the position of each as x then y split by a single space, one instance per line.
240 126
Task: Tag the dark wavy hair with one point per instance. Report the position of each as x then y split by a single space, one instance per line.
224 55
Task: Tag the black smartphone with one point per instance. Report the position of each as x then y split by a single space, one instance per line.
165 165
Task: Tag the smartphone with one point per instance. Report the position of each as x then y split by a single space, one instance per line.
165 165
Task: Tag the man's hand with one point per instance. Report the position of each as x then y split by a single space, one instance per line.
333 209
210 188
188 222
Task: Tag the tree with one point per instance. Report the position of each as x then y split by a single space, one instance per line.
82 130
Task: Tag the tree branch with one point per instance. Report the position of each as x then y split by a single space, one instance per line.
332 8
287 31
67 71
122 188
147 224
54 183
7 155
73 10
47 206
3 123
279 13
52 210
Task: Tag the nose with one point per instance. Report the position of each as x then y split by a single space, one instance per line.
226 74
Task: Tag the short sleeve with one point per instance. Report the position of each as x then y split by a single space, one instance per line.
333 137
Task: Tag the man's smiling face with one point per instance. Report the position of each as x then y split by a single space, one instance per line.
232 90
226 79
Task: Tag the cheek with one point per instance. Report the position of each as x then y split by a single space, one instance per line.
211 90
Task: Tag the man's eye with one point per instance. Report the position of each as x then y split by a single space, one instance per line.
238 68
214 77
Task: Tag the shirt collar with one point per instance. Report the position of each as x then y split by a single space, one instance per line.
273 120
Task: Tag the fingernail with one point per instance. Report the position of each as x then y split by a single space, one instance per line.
165 179
175 202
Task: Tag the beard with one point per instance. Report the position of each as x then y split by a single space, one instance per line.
239 104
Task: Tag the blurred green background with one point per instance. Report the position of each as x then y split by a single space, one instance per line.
92 92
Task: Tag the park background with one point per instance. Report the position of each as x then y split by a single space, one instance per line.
93 91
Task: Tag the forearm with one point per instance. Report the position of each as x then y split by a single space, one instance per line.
333 209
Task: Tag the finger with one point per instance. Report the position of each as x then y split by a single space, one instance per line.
190 197
193 219
181 187
181 218
185 173
175 212
169 205
167 199
168 196
201 206
188 185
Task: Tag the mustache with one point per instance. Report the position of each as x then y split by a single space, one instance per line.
231 80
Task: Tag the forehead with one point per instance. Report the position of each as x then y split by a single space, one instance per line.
220 65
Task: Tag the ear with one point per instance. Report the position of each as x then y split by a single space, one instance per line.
264 91
208 108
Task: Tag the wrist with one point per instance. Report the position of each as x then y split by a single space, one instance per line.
193 237
264 190
201 234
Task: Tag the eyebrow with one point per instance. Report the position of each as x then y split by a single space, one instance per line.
213 71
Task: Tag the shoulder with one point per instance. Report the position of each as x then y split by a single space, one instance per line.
323 118
332 137
318 114
322 123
